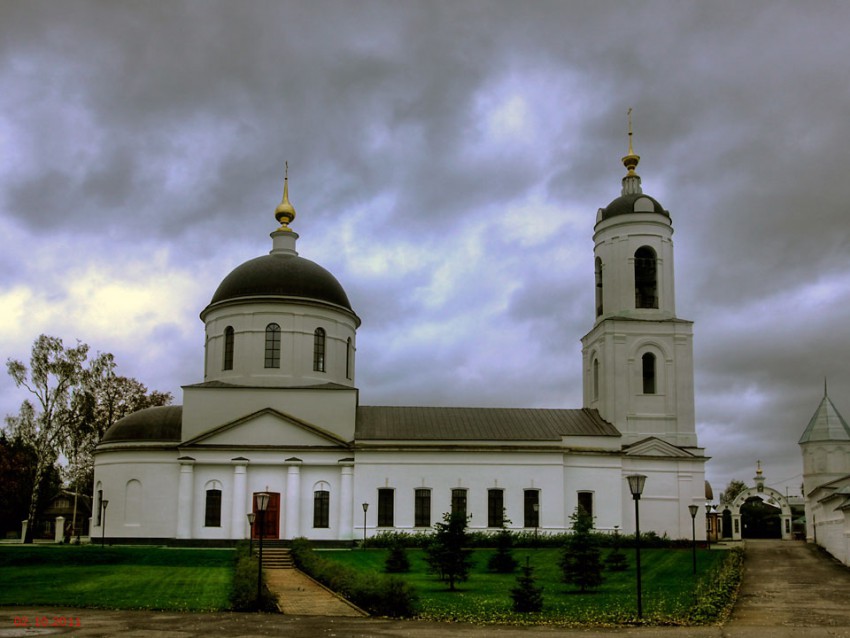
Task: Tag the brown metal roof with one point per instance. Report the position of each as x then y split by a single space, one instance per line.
477 424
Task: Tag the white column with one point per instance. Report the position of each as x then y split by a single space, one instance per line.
238 517
185 491
785 521
346 496
292 524
59 531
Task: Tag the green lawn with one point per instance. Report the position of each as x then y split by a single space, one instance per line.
668 587
116 577
200 580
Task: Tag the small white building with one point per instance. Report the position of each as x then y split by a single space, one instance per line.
278 411
825 445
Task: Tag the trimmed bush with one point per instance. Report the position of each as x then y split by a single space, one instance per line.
527 539
243 594
378 594
716 595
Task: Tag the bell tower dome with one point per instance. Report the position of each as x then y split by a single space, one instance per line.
638 358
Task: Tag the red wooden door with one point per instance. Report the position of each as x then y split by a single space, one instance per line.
271 520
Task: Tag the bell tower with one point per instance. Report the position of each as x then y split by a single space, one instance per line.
638 357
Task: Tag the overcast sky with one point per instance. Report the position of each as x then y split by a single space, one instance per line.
447 160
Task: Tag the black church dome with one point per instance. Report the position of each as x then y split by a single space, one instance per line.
282 275
633 203
162 423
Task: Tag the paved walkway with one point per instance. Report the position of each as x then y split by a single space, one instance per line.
790 589
298 594
792 584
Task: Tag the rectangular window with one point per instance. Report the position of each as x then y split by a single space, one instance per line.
386 501
319 350
459 501
348 358
648 365
531 508
585 502
495 508
272 358
228 348
422 508
99 507
212 511
321 508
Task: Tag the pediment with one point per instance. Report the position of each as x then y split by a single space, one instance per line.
267 428
656 447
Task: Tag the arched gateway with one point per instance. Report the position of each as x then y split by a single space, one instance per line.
768 495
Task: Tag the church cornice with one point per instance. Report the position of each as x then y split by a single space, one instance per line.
408 446
223 385
282 449
282 300
104 448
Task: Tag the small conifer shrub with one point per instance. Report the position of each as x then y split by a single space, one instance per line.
581 563
397 561
527 596
616 560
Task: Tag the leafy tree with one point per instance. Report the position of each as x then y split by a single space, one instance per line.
446 554
616 560
114 396
526 595
51 376
732 490
72 406
101 399
580 560
17 465
397 560
503 562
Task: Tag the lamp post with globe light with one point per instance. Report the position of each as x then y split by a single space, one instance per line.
365 509
536 508
103 504
262 504
251 518
693 509
636 483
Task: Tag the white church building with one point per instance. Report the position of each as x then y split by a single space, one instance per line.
278 411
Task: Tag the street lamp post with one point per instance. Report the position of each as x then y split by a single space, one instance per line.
251 518
262 504
365 509
536 508
693 509
103 504
707 525
636 483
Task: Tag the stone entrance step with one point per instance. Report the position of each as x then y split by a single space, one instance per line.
277 558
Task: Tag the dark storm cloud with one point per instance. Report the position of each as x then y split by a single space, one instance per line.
419 136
